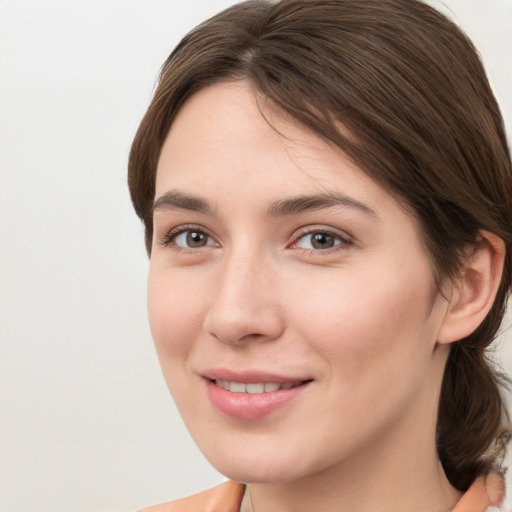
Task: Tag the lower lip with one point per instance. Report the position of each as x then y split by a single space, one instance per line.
247 406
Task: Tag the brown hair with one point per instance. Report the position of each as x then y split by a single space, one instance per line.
419 117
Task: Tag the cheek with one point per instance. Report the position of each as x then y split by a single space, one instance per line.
174 312
376 339
363 319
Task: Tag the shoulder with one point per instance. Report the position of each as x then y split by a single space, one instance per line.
226 497
486 494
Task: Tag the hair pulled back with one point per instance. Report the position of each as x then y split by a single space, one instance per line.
418 117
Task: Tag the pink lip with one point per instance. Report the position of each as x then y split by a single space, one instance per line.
248 406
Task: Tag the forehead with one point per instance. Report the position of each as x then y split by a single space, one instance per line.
233 128
228 142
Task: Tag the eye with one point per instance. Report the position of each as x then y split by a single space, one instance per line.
320 240
189 238
193 239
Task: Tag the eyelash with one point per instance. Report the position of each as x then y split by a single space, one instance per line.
343 242
170 238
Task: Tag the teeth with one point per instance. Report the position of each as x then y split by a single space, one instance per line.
222 384
237 387
256 387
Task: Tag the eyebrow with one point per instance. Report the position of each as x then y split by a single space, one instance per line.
174 200
306 203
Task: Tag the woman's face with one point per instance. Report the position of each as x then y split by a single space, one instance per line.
290 299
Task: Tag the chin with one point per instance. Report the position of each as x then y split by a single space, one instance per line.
246 467
253 475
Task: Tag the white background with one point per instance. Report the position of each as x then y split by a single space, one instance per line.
86 423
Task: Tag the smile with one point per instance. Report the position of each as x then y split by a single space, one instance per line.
255 388
254 400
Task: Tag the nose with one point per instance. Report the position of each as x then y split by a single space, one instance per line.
244 304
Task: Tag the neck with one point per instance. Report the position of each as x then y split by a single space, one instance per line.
412 484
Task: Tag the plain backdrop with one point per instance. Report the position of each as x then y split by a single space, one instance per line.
86 423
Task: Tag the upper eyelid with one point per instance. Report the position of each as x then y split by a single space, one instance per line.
170 235
308 230
345 240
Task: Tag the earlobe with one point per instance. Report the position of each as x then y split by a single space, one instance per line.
475 290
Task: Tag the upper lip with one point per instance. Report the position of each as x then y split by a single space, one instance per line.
250 376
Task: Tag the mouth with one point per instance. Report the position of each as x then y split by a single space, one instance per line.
253 396
256 388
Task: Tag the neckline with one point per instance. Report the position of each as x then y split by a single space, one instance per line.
483 493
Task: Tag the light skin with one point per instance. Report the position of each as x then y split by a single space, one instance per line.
273 253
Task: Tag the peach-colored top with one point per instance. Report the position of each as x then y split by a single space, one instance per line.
227 497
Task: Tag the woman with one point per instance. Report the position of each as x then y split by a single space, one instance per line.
326 192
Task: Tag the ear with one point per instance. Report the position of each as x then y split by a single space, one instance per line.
475 290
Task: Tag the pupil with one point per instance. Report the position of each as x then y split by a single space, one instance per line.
196 239
322 241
